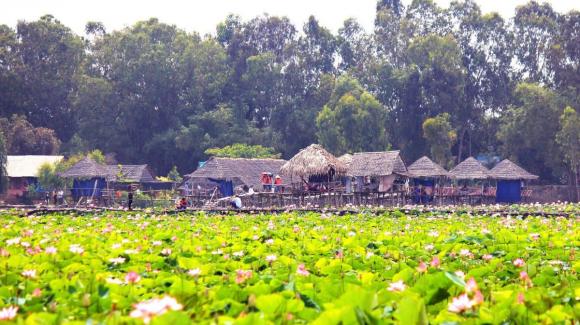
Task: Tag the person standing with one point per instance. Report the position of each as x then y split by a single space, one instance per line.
60 197
130 199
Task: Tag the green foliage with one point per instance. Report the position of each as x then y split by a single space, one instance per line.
241 150
83 263
440 136
569 137
352 120
48 177
154 93
528 130
174 175
22 138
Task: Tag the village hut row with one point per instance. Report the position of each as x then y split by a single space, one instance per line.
314 169
90 178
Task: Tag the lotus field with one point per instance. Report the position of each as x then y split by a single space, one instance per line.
401 267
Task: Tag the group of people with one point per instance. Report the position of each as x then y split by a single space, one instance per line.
271 183
57 197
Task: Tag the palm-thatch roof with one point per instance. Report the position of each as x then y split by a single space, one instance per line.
129 173
425 167
470 168
86 168
346 159
239 170
313 160
508 170
377 164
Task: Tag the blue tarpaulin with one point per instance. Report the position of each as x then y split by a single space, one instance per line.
424 182
87 187
509 191
226 187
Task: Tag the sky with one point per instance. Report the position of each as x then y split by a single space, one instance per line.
204 15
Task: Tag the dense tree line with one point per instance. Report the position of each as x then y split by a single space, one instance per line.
448 82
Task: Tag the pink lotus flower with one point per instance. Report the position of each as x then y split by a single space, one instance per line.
77 249
8 313
465 253
526 279
243 275
132 277
13 241
301 270
460 304
477 298
271 258
166 251
422 268
519 262
524 276
117 260
471 285
339 254
146 310
50 250
194 272
4 252
487 257
30 274
435 262
397 286
37 293
521 298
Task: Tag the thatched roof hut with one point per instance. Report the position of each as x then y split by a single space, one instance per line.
470 168
242 171
377 164
507 170
312 161
346 159
425 167
87 168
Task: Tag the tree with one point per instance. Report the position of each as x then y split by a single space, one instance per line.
352 120
440 136
536 27
48 177
174 175
569 140
433 83
22 138
240 150
528 131
3 161
50 55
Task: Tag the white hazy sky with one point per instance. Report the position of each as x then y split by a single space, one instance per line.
203 15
